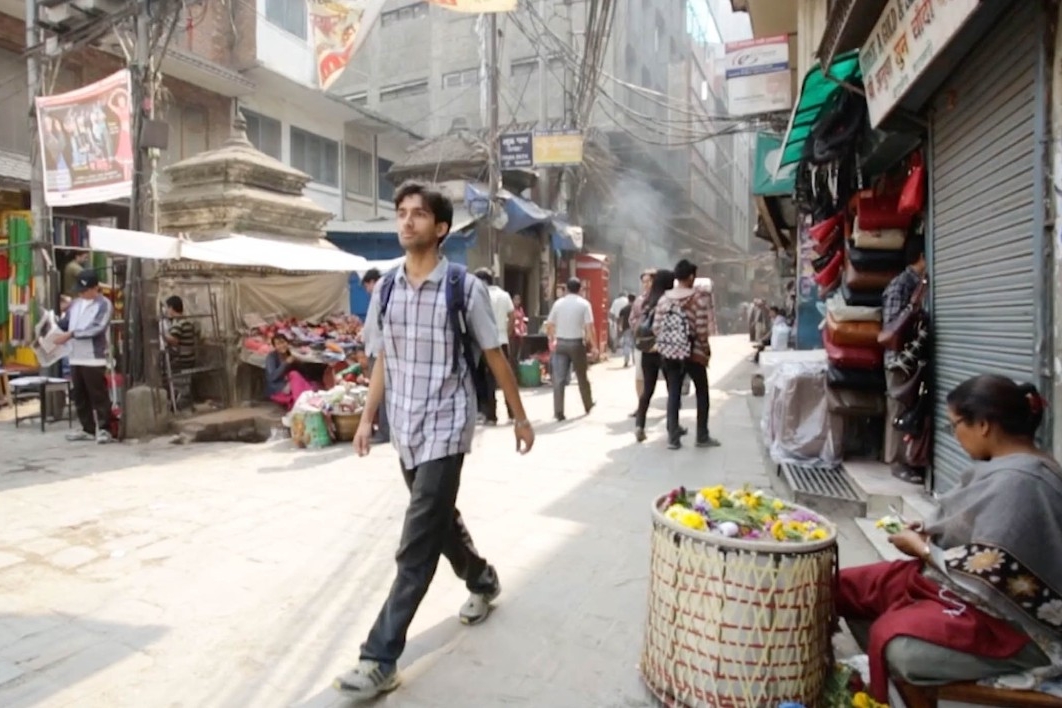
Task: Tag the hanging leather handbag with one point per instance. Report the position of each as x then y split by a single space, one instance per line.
843 312
918 447
824 260
824 229
906 393
855 379
912 419
852 334
913 196
894 335
848 402
858 298
826 290
830 272
881 240
826 245
865 280
865 259
878 208
852 357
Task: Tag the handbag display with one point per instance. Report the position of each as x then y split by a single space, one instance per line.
830 272
906 393
858 298
918 447
866 259
894 335
913 419
913 195
848 357
864 280
880 240
866 403
827 244
878 209
843 312
825 229
827 290
855 379
852 334
822 261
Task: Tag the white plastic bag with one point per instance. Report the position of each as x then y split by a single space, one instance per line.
797 424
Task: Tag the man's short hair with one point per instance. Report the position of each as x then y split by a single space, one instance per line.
914 248
175 303
485 275
684 270
434 201
371 276
574 285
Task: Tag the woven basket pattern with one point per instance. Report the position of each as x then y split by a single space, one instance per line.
737 628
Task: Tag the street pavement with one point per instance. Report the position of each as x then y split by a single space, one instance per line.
231 575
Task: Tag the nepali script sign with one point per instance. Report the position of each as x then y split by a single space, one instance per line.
87 143
905 40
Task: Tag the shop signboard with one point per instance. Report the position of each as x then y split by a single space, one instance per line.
909 34
757 76
768 154
560 147
515 150
339 28
87 144
477 5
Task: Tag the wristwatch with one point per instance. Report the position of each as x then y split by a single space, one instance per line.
522 423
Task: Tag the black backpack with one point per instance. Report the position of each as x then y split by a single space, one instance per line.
457 311
644 336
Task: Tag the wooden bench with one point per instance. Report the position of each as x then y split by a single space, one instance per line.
929 696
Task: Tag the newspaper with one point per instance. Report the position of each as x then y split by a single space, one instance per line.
45 344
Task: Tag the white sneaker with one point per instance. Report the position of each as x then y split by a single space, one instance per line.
103 437
478 606
367 680
79 436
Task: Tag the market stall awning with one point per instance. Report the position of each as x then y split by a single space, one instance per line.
520 213
565 237
817 92
235 250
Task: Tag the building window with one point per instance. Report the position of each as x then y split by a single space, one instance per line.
359 172
263 132
457 79
409 12
397 91
316 156
387 190
288 16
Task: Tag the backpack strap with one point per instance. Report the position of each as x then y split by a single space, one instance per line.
457 310
386 286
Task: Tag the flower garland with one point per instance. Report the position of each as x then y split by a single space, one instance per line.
744 513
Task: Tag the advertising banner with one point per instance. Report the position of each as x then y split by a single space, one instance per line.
765 183
339 28
87 143
477 5
757 76
554 148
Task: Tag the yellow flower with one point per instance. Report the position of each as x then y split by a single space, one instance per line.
686 517
778 505
861 700
988 559
819 535
713 501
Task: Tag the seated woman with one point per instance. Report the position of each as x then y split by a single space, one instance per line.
983 595
285 378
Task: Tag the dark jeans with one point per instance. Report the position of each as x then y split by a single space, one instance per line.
93 401
383 429
432 527
489 407
570 354
675 371
651 363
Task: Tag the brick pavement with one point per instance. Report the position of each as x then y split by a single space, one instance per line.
231 575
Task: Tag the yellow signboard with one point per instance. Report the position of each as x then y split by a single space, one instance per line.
561 148
477 5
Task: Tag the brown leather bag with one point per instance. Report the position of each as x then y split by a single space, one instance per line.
864 280
852 334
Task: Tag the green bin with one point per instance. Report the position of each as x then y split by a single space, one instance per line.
529 374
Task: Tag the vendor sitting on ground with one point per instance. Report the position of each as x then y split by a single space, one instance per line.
285 377
999 537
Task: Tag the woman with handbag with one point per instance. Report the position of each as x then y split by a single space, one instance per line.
901 301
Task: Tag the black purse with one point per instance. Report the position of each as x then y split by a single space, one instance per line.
913 420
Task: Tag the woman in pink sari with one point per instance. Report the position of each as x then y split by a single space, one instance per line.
284 384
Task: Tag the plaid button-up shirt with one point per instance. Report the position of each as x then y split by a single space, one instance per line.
431 409
895 298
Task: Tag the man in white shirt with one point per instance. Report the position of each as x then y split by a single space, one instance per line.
570 326
502 305
614 328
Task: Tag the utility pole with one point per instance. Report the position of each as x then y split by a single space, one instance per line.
38 209
493 168
545 261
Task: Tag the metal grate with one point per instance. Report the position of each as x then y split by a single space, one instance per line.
831 482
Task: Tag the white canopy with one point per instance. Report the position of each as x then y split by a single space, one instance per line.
234 250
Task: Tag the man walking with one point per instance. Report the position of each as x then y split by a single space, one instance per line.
683 328
571 325
433 319
85 324
370 340
501 304
635 318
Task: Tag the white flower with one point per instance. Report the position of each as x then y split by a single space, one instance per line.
1051 612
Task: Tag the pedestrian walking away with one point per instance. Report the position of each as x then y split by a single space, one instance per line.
85 324
645 342
626 336
571 325
636 316
435 321
501 304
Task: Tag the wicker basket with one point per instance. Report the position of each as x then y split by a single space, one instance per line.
735 623
346 425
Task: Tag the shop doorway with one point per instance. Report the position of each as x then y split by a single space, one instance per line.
517 281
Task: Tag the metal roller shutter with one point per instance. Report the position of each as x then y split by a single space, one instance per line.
984 196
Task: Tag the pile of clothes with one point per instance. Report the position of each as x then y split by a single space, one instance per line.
330 340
